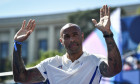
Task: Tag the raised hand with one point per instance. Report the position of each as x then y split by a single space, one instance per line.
24 32
104 23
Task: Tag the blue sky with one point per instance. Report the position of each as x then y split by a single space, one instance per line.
14 8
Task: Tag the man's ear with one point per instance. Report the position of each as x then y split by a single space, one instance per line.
82 36
61 41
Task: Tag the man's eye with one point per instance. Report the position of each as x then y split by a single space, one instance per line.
66 36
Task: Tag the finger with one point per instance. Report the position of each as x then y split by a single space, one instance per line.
109 12
32 23
94 21
27 34
101 13
29 24
33 27
23 24
19 32
106 10
103 10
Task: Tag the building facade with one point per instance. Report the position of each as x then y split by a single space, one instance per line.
45 36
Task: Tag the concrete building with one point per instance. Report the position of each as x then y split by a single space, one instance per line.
45 37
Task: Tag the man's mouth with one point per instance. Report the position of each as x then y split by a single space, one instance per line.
73 44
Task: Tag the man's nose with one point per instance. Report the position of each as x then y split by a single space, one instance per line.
71 39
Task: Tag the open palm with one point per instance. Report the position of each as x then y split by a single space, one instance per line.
104 23
24 32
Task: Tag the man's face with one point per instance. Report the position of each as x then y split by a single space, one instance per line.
71 39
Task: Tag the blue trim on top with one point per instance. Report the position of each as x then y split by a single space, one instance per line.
100 79
16 42
45 72
48 82
93 76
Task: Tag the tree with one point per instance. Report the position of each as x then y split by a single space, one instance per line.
138 10
45 55
83 19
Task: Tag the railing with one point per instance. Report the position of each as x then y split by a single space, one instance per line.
6 73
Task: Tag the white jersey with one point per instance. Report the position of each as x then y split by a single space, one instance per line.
60 70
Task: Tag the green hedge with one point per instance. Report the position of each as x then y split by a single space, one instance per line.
45 55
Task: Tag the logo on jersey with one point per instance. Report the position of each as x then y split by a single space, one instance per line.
60 67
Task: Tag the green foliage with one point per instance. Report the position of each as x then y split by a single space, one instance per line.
44 55
7 67
83 19
138 10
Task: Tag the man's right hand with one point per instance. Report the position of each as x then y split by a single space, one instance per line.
24 32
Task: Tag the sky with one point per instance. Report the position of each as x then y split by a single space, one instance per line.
17 8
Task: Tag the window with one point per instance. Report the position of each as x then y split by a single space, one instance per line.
43 45
3 50
3 55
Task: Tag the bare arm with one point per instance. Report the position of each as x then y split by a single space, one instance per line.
21 74
114 64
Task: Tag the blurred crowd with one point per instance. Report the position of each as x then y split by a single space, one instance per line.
131 60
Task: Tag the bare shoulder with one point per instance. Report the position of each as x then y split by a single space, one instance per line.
34 75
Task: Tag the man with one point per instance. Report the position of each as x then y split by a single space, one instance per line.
76 66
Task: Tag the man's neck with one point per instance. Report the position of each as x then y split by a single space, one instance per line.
74 56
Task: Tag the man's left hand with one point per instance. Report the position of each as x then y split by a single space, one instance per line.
104 23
